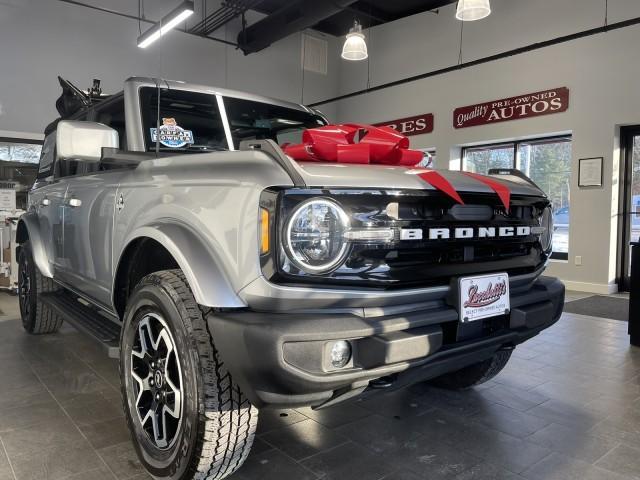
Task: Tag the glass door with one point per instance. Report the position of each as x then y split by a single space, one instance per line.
630 184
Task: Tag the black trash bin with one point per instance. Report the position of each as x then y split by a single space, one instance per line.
634 295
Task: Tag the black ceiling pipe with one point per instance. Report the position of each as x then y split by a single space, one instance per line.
292 18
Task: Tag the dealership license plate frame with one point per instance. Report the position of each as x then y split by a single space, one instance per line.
501 306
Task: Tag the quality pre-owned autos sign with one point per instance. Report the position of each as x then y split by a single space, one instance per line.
411 125
514 108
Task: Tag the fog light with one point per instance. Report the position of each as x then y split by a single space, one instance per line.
340 353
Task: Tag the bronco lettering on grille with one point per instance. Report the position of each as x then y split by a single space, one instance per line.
465 232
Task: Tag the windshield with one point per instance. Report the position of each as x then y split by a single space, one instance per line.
250 120
191 122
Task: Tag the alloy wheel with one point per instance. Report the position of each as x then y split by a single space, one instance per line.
24 289
157 375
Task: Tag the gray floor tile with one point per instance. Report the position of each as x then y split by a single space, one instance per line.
106 433
349 461
431 459
379 434
121 460
273 419
622 459
6 473
304 439
572 442
560 467
507 420
273 465
99 474
24 416
56 462
488 471
37 438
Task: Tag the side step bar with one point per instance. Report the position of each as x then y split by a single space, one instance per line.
86 319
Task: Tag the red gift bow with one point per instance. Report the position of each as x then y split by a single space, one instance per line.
337 143
377 145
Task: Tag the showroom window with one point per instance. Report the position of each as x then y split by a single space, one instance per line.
19 166
546 161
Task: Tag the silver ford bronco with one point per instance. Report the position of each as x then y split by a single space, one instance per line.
167 222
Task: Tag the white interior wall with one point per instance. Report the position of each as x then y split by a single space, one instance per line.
44 38
601 72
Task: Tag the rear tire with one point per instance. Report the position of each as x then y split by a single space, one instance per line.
206 434
37 317
475 374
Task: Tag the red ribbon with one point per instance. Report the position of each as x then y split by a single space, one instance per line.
338 143
503 192
437 181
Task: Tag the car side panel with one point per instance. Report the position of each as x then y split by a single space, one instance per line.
88 229
204 209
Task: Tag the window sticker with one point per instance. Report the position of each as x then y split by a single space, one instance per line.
171 134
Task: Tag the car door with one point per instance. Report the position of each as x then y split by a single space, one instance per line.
47 200
89 208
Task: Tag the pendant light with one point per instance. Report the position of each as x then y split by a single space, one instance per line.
355 46
470 10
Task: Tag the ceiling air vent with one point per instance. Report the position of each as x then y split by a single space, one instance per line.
314 54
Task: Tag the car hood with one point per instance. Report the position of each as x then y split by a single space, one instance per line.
338 175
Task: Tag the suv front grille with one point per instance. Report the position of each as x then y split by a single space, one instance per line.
422 263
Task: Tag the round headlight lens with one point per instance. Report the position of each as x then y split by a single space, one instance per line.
546 221
314 235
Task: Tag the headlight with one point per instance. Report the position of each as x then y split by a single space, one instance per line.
546 222
315 235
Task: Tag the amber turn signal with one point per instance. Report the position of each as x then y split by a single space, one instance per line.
264 231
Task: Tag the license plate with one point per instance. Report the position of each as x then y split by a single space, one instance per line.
484 296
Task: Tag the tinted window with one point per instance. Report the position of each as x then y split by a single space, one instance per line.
189 122
250 120
48 156
112 115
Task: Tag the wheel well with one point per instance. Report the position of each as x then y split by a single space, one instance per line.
141 257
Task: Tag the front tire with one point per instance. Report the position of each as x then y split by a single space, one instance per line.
205 426
475 374
37 317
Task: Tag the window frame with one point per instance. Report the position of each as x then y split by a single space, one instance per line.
516 150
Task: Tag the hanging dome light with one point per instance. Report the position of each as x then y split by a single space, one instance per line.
355 46
470 10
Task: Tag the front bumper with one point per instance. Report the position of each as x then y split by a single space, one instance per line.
279 359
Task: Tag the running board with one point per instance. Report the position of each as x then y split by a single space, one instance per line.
85 319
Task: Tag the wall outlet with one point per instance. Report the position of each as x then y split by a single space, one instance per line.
578 260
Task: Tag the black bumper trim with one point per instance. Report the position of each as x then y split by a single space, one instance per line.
252 346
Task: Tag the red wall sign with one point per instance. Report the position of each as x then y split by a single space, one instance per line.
411 125
514 108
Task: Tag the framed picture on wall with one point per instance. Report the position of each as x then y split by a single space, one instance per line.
590 172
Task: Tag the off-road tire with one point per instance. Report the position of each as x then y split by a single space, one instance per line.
37 317
219 423
475 374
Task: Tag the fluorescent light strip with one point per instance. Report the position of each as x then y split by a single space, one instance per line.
168 22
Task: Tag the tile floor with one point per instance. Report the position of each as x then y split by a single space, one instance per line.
567 407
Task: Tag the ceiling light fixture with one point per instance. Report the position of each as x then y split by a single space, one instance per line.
168 22
355 46
470 10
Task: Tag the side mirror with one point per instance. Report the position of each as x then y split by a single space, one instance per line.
84 140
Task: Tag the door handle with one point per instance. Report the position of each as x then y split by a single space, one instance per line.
45 202
75 202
